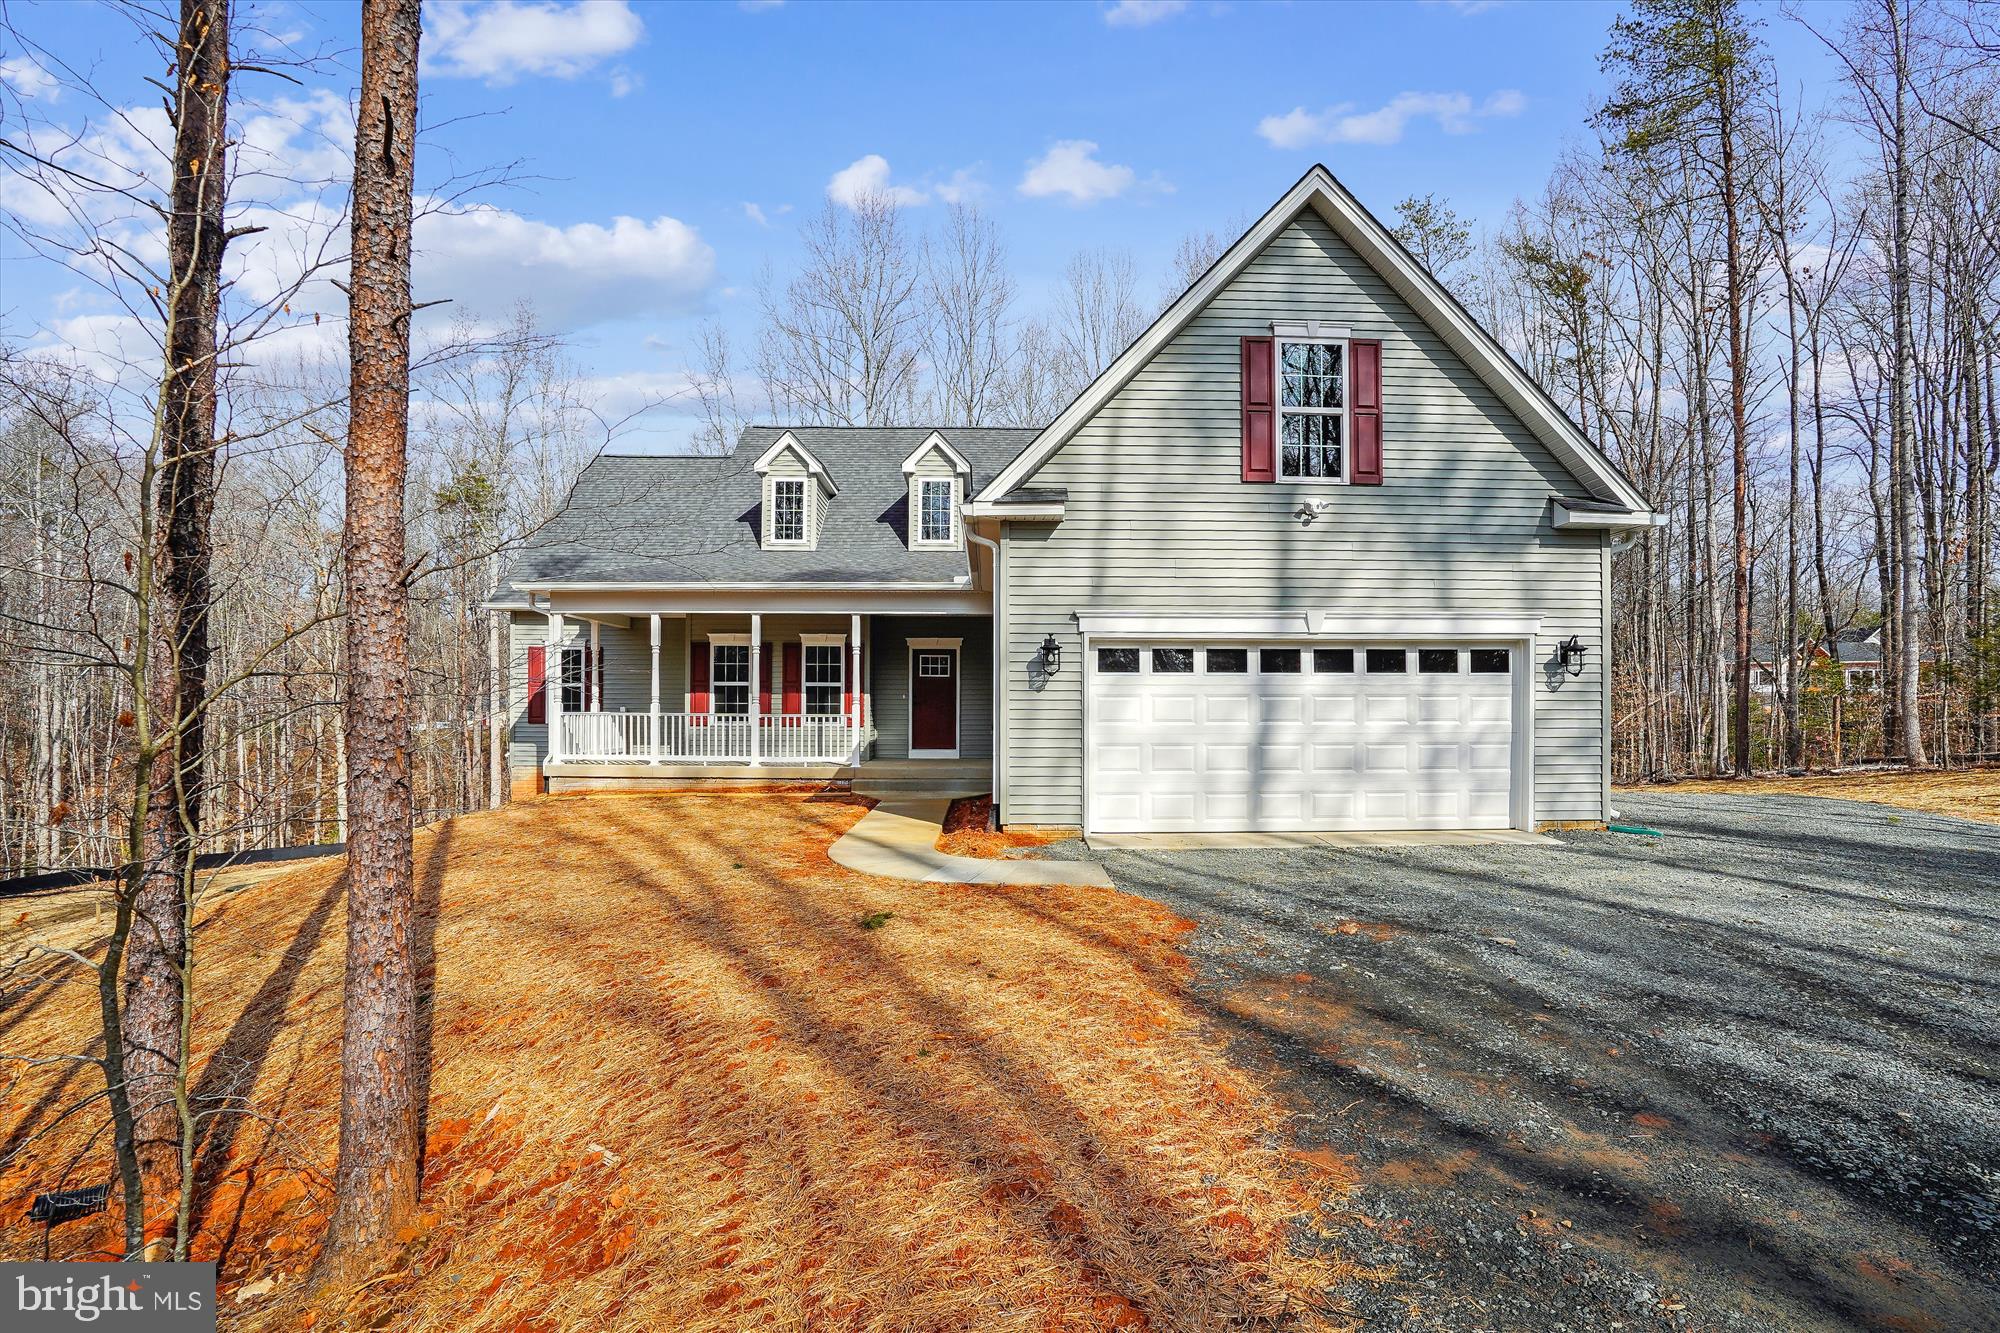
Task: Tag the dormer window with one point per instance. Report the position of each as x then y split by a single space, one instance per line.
934 511
796 493
938 476
788 511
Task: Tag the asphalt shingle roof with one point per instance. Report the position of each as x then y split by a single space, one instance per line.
686 519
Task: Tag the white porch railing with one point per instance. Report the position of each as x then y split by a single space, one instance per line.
712 738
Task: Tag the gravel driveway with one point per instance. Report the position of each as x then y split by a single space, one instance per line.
1742 1077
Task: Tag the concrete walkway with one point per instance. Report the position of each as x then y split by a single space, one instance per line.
898 840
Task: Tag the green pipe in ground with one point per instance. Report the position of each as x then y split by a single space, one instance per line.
1635 828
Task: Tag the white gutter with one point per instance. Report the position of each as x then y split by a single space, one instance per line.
796 585
996 660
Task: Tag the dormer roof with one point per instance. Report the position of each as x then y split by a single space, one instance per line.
788 442
938 443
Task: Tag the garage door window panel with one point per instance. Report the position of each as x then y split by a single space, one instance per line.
1491 662
1278 661
1437 661
1118 661
1227 661
1173 661
1330 661
1388 661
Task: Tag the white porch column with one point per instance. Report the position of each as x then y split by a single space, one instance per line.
756 677
592 695
854 689
653 723
552 685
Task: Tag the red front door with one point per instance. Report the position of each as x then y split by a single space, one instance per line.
934 699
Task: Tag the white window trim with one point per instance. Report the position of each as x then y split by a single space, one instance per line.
917 539
806 683
715 681
1325 338
805 538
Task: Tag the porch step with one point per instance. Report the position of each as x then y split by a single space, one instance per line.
922 777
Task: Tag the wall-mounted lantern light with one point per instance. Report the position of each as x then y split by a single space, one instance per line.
1051 656
1570 653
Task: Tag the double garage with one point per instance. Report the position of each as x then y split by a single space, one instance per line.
1184 735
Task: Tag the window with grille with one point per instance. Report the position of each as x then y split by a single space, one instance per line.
933 664
1311 406
729 678
825 677
934 511
788 510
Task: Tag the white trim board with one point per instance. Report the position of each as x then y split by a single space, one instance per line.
1319 191
1305 625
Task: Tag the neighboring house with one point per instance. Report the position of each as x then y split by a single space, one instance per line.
1305 557
1857 651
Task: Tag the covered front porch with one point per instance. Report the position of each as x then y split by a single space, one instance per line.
752 696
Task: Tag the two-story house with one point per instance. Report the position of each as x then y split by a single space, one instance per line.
1314 553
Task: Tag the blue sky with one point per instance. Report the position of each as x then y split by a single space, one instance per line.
710 129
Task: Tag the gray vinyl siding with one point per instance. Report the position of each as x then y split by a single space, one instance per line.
628 673
1159 520
888 647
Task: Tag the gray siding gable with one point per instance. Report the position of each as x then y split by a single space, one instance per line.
1159 520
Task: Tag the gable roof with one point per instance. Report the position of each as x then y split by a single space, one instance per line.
789 443
1319 191
686 520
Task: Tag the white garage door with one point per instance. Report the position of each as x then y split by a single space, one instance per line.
1292 737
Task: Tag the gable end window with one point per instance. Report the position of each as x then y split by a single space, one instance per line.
1312 408
935 511
788 512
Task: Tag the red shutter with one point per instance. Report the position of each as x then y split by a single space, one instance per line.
538 685
1365 434
795 676
1259 457
847 675
763 679
698 677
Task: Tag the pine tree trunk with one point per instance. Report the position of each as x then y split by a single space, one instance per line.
380 1138
177 677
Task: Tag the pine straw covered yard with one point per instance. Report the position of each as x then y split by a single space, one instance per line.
1972 793
677 1084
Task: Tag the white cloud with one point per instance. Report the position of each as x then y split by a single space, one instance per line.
488 258
1453 112
868 177
1070 168
963 187
28 81
1142 13
755 214
506 39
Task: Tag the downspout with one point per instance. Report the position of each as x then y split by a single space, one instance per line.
998 658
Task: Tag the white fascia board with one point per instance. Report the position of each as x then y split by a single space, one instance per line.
747 587
813 465
938 442
994 509
1318 190
1305 625
1590 520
